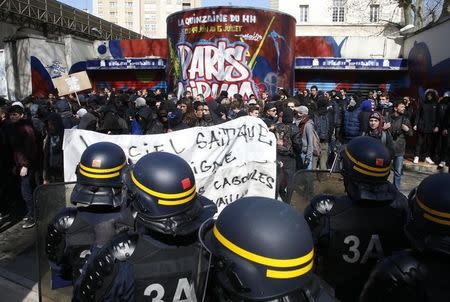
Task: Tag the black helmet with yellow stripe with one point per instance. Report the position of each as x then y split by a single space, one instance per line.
165 195
262 249
102 164
366 159
100 176
428 227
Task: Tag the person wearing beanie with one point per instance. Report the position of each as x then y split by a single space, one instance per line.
367 108
17 104
306 127
81 112
87 120
139 102
376 130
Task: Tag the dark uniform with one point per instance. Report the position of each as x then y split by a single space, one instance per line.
353 232
420 274
101 212
162 260
261 250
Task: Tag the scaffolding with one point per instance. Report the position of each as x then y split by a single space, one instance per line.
52 17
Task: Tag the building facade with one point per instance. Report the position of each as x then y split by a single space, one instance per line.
147 17
343 17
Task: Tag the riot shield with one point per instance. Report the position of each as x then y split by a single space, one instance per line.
48 201
307 184
205 262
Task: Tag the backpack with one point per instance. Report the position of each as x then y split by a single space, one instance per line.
322 125
283 135
316 144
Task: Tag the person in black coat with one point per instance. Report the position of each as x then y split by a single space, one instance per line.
426 125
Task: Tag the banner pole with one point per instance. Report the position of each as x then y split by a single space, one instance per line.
78 100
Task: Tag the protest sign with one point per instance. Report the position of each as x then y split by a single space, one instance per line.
230 160
72 83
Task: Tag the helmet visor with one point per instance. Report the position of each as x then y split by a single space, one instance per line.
91 195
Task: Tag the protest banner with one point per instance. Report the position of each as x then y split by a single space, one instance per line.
234 49
72 83
230 160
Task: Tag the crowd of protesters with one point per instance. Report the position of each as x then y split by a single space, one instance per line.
310 128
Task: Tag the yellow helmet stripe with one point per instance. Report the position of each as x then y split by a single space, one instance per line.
176 202
160 194
374 174
99 176
435 219
289 274
261 259
431 211
364 165
94 170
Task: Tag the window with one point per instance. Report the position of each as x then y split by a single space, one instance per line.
374 13
149 7
303 13
113 14
150 18
338 11
152 27
112 4
129 24
129 14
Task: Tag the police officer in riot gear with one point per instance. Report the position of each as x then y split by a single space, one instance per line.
160 262
352 232
261 250
420 274
101 211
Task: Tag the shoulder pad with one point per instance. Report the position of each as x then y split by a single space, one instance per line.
54 240
404 263
64 219
319 206
123 245
323 203
395 276
100 269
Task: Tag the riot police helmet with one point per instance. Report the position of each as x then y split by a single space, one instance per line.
366 159
100 175
164 195
428 226
262 249
366 165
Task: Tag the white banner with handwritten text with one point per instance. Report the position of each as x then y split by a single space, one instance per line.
230 160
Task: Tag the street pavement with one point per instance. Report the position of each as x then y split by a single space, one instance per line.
18 260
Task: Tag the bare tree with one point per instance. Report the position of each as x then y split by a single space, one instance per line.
422 12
